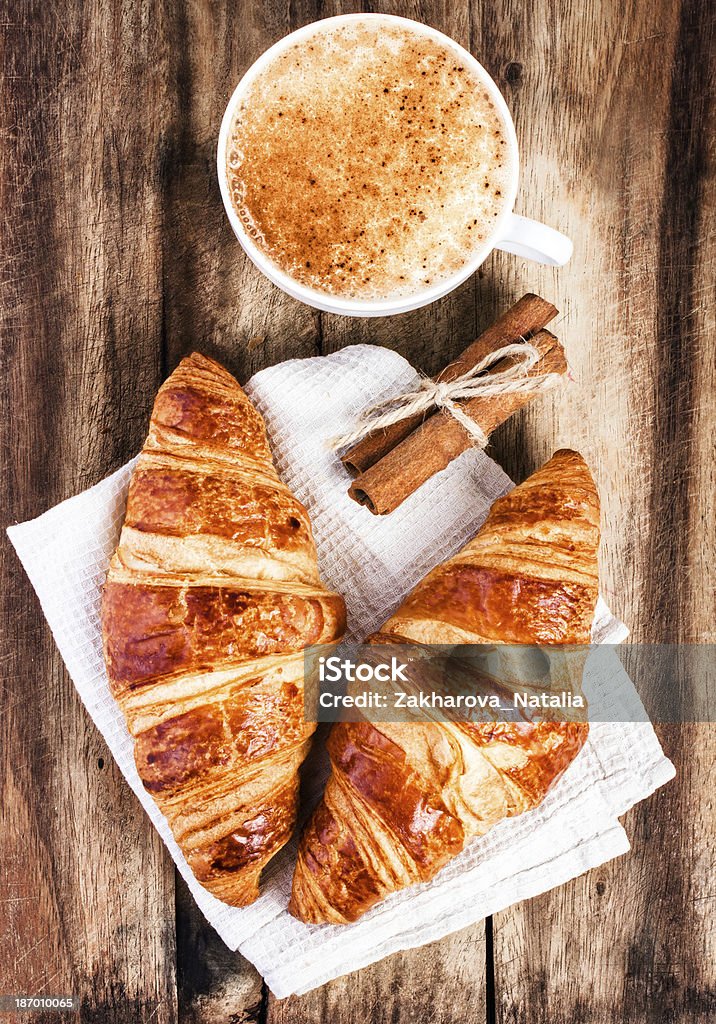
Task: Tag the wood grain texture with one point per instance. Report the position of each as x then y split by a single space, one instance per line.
636 328
118 260
86 889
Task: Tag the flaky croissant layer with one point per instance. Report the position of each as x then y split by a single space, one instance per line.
404 798
211 598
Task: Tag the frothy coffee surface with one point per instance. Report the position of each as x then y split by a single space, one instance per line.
367 161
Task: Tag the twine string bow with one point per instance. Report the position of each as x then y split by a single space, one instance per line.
444 395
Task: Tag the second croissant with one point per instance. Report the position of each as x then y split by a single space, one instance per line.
405 798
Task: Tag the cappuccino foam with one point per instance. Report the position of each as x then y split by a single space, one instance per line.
368 161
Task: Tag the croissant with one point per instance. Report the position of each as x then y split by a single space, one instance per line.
405 798
210 599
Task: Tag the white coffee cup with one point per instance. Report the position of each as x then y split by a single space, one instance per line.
512 233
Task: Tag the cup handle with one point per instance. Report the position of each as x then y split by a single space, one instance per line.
535 241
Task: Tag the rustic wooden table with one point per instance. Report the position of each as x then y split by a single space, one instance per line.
118 260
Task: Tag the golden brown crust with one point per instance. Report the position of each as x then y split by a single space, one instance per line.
172 501
211 598
201 628
404 798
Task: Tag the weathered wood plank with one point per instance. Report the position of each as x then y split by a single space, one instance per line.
408 986
213 983
86 886
215 299
634 940
441 983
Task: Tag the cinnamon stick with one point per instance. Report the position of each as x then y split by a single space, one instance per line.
439 439
529 315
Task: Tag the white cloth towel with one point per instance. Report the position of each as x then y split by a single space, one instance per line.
374 562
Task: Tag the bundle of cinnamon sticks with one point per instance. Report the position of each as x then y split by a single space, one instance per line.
393 462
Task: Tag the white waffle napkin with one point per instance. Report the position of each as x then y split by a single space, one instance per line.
374 562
